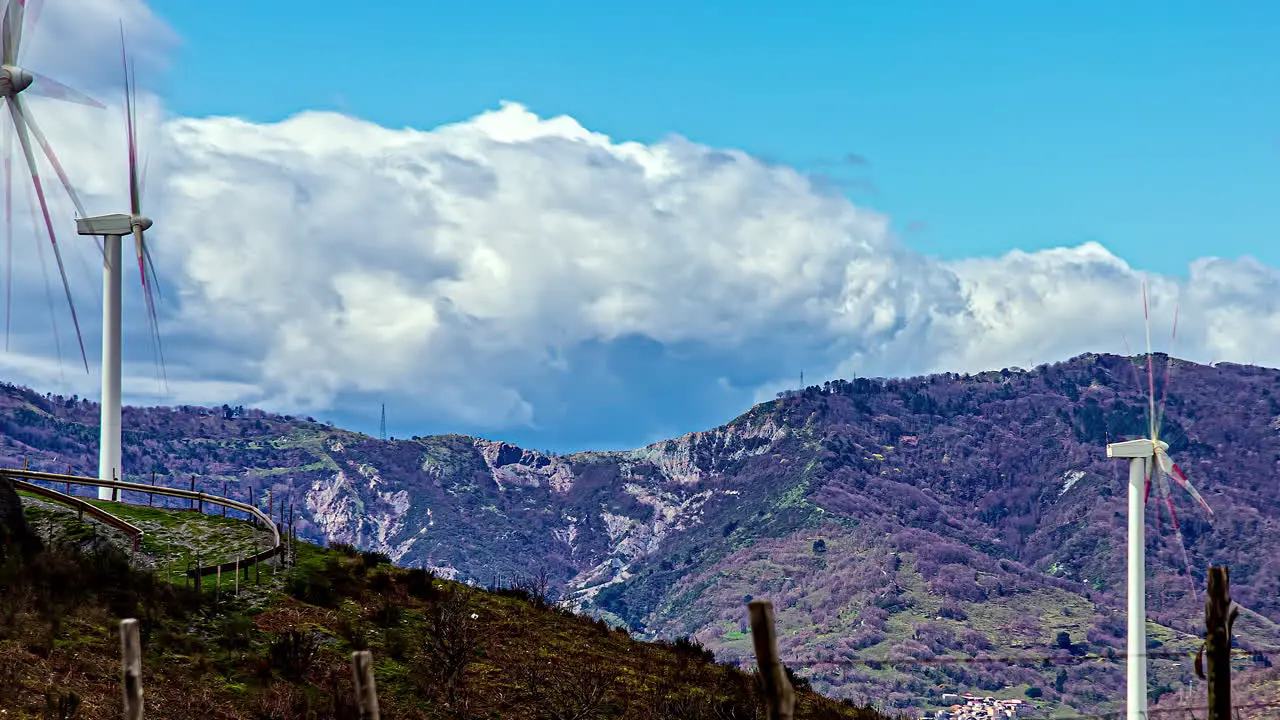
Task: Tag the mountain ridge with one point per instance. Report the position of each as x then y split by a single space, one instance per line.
939 512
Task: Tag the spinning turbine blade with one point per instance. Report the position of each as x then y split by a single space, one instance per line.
146 266
135 199
33 8
46 86
1151 378
1162 490
25 143
43 142
44 275
30 121
1168 370
11 27
1180 477
135 190
18 14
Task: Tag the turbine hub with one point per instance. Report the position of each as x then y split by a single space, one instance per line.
141 222
14 80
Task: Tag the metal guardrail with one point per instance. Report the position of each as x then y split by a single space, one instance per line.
86 508
36 476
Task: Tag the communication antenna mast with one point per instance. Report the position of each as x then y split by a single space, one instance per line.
382 430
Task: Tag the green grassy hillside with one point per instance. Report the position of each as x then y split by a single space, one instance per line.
280 648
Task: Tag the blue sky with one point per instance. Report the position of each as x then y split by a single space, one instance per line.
1151 127
573 308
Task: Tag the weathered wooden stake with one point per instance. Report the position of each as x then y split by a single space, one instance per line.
1219 616
217 588
151 497
131 668
191 503
779 696
366 690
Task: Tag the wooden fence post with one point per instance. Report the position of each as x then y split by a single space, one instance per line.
191 503
779 696
366 691
131 668
151 497
1219 616
224 494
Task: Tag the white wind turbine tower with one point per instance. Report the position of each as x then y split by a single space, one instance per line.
1148 458
113 228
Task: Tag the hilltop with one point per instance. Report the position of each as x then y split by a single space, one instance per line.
280 648
890 521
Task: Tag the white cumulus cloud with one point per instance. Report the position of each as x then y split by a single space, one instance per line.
513 270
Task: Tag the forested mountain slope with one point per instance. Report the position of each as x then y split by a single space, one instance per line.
886 518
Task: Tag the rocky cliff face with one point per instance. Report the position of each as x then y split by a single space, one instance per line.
599 513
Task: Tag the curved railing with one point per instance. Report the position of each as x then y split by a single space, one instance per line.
33 475
86 508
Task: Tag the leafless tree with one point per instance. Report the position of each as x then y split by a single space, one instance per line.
453 639
558 693
538 585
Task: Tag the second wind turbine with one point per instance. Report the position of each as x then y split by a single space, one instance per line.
113 228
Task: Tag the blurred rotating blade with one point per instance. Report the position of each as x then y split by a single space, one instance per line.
21 129
46 86
1170 468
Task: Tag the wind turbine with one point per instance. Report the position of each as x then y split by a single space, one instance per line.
113 228
1148 457
14 81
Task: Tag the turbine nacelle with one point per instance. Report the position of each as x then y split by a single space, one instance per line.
113 224
1140 448
14 80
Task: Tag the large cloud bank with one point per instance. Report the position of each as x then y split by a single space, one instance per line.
513 270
